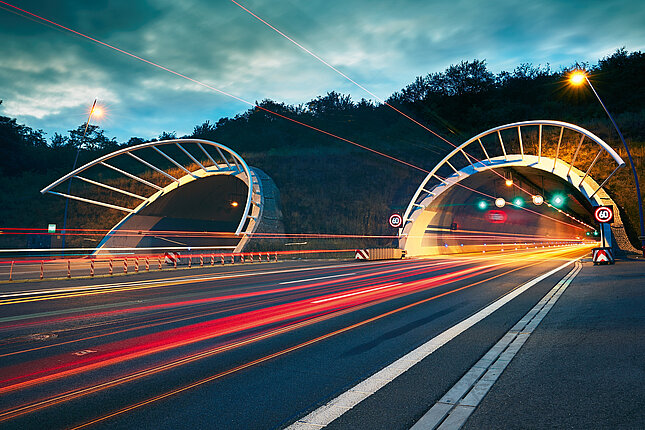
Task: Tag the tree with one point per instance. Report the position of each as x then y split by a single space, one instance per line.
93 139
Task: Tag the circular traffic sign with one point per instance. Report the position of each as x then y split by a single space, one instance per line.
604 214
395 220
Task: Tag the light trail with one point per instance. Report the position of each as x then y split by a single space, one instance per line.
73 394
384 102
255 105
138 347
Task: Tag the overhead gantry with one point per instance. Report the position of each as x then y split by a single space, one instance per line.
449 211
177 194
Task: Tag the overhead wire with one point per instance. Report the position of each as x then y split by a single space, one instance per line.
254 105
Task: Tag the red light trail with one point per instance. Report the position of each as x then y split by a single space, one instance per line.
274 319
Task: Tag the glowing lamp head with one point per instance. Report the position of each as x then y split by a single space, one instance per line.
234 204
98 112
517 201
509 182
577 78
538 200
500 202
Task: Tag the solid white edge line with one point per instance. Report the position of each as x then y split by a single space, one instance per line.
455 407
333 409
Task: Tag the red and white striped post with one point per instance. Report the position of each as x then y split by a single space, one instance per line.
201 260
190 260
147 264
125 265
222 259
212 259
91 268
69 269
42 269
159 260
111 270
11 272
136 265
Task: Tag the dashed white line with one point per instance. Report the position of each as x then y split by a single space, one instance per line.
453 410
341 404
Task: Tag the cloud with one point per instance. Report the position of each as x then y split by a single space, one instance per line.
49 77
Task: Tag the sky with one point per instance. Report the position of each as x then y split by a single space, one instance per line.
50 77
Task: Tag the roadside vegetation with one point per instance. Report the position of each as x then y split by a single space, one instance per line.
329 186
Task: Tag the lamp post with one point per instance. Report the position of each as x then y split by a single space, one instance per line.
98 112
579 77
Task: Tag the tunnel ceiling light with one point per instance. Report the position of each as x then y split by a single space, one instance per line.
500 202
234 204
557 200
538 200
509 182
483 204
517 201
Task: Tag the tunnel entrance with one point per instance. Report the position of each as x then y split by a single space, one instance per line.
462 220
179 194
465 204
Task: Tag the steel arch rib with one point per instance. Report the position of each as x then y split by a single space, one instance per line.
236 158
412 205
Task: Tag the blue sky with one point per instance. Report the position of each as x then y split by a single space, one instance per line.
49 77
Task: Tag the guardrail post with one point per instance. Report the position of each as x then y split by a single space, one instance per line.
147 264
42 269
125 265
11 272
251 258
242 258
136 265
91 268
212 259
111 267
201 260
276 256
69 269
175 263
222 257
190 260
159 260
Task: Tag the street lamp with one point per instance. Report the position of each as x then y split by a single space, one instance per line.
579 77
97 112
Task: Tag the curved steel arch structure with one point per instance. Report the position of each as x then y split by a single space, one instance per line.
463 165
212 159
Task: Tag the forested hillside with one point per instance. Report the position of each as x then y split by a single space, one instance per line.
331 186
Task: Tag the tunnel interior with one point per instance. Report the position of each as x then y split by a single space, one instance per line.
192 215
462 220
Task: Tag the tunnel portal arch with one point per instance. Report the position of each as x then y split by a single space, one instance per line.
506 147
165 172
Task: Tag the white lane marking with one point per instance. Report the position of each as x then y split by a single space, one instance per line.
356 293
341 404
456 406
316 279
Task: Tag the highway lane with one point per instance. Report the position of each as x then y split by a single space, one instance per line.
235 350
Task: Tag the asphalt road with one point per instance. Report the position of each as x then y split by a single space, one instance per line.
253 347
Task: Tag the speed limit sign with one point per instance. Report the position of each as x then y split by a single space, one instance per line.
396 220
604 214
